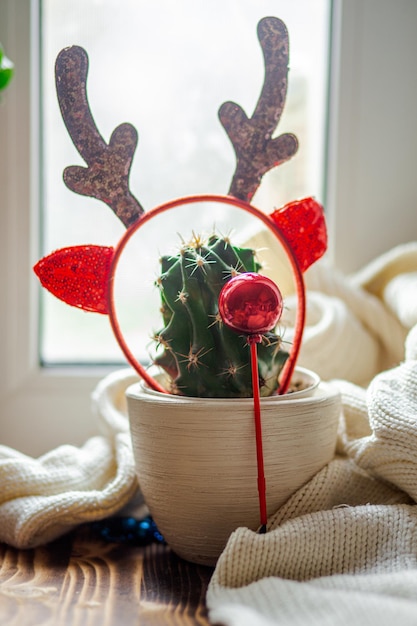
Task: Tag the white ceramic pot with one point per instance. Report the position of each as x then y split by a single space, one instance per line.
196 459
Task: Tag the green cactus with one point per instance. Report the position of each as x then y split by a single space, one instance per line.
202 356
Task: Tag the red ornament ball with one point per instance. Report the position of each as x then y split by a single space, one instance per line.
250 303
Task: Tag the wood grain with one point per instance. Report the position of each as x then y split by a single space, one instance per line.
82 581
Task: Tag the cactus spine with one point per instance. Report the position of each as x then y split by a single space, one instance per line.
202 356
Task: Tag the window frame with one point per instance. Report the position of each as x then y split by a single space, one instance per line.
42 407
371 190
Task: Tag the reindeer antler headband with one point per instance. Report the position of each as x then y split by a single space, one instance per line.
82 276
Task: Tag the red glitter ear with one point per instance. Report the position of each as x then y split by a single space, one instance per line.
78 275
303 225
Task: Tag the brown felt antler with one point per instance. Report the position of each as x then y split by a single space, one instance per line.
107 175
256 150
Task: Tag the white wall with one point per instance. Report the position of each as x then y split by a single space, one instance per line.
373 153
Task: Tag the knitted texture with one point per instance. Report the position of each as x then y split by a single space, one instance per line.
343 549
356 517
350 334
40 499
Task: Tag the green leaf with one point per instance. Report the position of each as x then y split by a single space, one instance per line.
6 69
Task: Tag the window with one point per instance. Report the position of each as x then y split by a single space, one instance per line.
370 198
168 69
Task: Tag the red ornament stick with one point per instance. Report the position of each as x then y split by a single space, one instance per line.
252 304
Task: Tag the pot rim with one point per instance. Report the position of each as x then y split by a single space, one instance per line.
144 392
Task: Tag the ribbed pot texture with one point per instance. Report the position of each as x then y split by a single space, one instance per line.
196 459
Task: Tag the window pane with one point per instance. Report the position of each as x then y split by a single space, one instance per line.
166 68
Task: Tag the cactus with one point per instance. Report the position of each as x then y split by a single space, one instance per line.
201 355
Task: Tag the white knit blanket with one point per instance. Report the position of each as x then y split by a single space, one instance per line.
343 549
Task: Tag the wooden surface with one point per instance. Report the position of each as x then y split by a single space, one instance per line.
80 580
